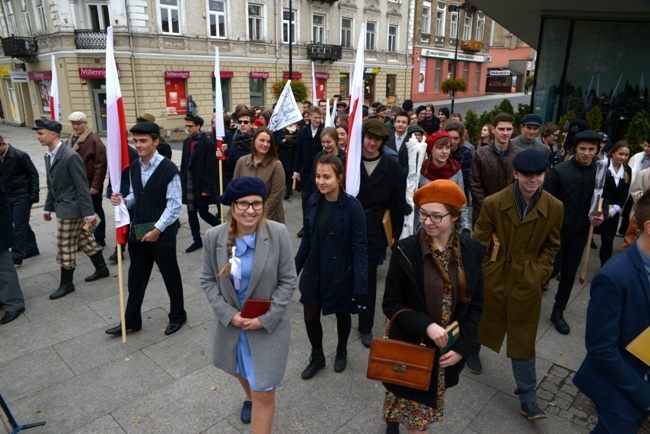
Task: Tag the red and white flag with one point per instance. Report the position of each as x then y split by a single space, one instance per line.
353 150
218 104
54 94
117 140
313 84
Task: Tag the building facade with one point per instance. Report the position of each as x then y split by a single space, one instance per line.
512 61
450 41
165 53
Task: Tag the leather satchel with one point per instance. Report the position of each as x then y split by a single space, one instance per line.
399 362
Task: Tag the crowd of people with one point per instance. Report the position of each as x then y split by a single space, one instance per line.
532 217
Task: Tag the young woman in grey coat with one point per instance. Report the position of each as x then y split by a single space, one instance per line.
249 257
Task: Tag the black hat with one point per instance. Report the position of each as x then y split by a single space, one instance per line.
194 118
341 104
376 128
145 128
530 162
380 108
242 187
532 119
407 105
420 109
587 136
47 124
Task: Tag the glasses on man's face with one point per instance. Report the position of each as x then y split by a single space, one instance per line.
435 218
242 122
243 206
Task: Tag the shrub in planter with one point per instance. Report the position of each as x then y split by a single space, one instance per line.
637 131
298 88
454 85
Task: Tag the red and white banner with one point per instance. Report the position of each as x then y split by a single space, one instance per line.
353 151
220 130
117 138
54 94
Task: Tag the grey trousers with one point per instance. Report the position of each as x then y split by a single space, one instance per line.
10 293
526 379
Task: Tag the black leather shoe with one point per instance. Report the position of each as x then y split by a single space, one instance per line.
63 290
473 364
316 363
18 262
246 412
557 318
113 257
33 253
341 360
173 328
196 245
116 331
101 270
10 316
366 339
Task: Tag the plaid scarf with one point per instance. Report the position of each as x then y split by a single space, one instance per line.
524 208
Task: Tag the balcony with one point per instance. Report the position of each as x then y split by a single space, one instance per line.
21 48
471 46
329 2
324 52
90 39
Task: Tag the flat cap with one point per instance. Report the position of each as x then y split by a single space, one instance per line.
341 104
530 162
588 136
415 129
47 124
77 117
380 108
532 119
242 187
145 128
377 128
194 118
146 117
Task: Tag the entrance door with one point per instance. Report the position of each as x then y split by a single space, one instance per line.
320 89
13 103
369 88
99 103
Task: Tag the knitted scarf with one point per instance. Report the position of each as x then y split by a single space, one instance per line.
433 172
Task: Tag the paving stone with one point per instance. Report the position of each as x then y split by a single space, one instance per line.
565 396
550 388
222 427
562 403
104 425
581 414
564 414
552 409
543 394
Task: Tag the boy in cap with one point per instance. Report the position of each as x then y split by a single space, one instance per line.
164 148
93 153
526 221
155 198
573 182
68 196
530 125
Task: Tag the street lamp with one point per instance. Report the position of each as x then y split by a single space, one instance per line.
457 8
290 41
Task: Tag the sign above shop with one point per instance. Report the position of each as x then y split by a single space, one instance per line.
177 74
296 75
450 55
322 75
259 74
95 73
4 72
224 74
499 72
40 75
372 70
19 77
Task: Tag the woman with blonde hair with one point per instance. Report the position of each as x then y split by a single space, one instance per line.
246 260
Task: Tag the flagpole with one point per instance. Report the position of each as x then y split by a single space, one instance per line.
120 279
220 129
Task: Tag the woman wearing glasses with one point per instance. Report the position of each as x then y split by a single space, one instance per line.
263 163
249 259
436 274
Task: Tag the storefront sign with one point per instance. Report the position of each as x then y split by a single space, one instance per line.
499 72
296 75
259 74
40 75
177 75
95 73
19 77
224 74
461 56
372 70
4 72
322 75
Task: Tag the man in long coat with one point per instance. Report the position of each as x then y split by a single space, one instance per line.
526 222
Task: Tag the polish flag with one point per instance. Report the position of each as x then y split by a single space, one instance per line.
218 104
54 94
117 140
353 150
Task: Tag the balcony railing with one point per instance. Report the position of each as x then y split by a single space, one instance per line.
21 48
471 46
324 52
329 2
90 39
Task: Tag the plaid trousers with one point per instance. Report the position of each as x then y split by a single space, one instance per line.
70 235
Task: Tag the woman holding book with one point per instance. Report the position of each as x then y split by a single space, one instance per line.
333 255
247 261
436 274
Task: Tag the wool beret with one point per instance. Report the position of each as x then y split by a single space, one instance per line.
377 128
242 187
532 119
407 105
194 118
433 138
440 191
587 136
420 109
530 162
47 124
146 117
77 117
415 129
145 128
259 122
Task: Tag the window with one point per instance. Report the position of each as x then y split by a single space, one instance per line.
9 14
169 17
255 22
319 29
99 18
453 31
346 34
217 18
440 21
480 27
225 92
371 29
467 29
391 85
438 78
288 19
392 39
175 96
426 18
257 91
477 76
40 12
344 84
27 23
466 71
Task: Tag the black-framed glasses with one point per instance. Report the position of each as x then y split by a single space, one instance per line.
435 218
258 205
244 122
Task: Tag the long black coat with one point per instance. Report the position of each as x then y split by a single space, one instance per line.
19 175
308 147
203 162
338 262
405 290
286 143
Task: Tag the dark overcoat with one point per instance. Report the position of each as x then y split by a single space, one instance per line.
203 162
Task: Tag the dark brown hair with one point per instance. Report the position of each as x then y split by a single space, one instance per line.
272 155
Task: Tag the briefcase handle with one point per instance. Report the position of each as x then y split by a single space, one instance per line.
390 324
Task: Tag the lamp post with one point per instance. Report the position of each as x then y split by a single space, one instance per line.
290 41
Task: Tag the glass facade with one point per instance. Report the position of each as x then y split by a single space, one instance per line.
587 64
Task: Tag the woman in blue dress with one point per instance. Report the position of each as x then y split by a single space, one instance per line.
249 257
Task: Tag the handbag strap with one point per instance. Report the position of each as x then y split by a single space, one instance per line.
390 324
